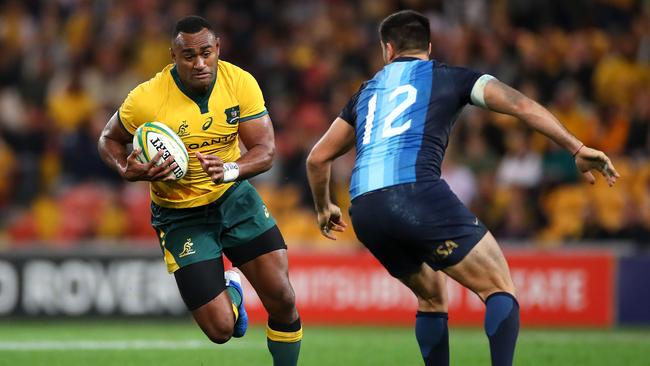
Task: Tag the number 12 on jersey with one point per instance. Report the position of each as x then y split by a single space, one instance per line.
389 130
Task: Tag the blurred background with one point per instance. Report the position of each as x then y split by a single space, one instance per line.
67 65
75 240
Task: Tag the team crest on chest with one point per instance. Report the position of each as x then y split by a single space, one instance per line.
182 129
232 115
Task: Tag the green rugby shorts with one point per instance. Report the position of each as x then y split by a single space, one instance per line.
195 234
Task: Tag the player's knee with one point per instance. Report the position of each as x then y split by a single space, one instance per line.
436 302
219 329
503 286
282 302
286 298
219 336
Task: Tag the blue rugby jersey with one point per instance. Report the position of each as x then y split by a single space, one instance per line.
402 119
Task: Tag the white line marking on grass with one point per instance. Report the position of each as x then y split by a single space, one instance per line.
137 344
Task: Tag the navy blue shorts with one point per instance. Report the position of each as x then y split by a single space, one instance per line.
414 223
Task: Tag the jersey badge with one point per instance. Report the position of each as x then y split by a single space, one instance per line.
232 115
182 129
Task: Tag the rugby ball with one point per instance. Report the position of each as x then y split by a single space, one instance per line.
152 137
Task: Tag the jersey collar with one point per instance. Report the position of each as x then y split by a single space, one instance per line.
201 101
406 58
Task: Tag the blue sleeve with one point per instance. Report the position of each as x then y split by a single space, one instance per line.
464 80
349 112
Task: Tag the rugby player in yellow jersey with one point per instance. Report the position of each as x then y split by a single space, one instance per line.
212 105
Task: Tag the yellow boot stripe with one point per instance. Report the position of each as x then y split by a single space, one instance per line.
285 337
236 311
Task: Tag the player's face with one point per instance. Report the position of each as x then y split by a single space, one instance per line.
196 56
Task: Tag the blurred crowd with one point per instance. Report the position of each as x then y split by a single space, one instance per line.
67 65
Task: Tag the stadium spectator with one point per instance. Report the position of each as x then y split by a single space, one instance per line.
590 60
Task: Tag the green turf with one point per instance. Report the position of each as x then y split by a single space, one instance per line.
145 343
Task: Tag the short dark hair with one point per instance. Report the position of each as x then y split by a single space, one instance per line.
406 30
191 24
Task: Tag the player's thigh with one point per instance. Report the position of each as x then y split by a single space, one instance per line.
202 286
194 257
484 269
268 273
380 233
430 288
249 229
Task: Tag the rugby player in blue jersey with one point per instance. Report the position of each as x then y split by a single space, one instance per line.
402 211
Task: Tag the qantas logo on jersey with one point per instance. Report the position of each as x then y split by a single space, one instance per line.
217 140
232 115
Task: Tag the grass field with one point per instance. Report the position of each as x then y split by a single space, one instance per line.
124 343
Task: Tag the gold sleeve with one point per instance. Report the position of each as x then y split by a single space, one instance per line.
136 109
251 101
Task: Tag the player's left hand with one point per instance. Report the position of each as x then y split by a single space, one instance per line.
588 159
330 220
213 165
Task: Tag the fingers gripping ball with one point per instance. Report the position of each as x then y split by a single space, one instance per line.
152 137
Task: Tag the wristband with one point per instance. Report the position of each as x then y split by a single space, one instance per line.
577 151
230 172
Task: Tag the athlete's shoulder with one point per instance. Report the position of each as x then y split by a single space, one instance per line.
349 111
157 84
442 68
231 70
145 100
456 79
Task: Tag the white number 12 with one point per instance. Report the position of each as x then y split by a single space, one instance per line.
389 130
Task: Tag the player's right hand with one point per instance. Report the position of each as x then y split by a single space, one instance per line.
330 220
588 159
136 171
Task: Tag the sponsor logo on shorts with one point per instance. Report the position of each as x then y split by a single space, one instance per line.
187 248
446 249
266 212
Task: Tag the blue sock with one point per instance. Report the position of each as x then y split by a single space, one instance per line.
502 327
433 337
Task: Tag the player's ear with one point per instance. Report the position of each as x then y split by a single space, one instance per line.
429 52
384 52
390 52
171 54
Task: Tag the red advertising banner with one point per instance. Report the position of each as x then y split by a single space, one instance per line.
554 289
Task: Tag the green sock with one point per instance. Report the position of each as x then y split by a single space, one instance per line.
235 297
284 342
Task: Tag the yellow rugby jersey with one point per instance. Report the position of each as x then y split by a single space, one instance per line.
208 125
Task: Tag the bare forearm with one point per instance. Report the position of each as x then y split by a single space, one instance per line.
504 99
113 153
540 119
318 174
255 161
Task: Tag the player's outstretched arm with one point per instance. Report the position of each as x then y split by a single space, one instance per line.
338 140
499 97
112 149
